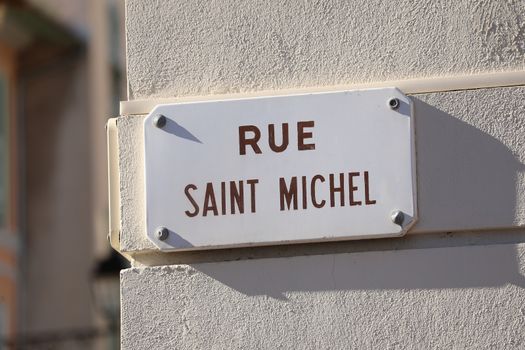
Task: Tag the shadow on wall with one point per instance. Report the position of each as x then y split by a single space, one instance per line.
435 268
465 177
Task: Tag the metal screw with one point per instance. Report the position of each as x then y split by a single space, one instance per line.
393 103
159 121
162 233
397 217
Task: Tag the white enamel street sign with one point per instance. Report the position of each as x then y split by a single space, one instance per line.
285 169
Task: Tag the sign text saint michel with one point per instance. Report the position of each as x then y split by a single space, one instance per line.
274 170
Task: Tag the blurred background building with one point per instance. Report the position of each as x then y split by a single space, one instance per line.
61 77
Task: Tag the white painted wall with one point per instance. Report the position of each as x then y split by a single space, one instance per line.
456 281
201 47
438 298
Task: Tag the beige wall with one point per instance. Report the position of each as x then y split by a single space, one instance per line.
177 48
455 281
438 298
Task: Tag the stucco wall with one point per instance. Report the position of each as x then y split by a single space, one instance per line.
441 298
455 281
178 48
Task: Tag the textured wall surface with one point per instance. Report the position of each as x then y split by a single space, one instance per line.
201 47
433 290
443 298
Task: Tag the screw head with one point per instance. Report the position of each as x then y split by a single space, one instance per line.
159 121
162 233
393 103
397 217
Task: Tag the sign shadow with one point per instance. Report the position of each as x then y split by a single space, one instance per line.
465 177
178 130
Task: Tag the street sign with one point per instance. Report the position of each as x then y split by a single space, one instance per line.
284 169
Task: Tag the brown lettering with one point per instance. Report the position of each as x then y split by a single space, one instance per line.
223 198
288 195
236 197
368 201
339 189
352 188
209 201
243 141
271 138
305 198
302 135
312 191
192 201
252 183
